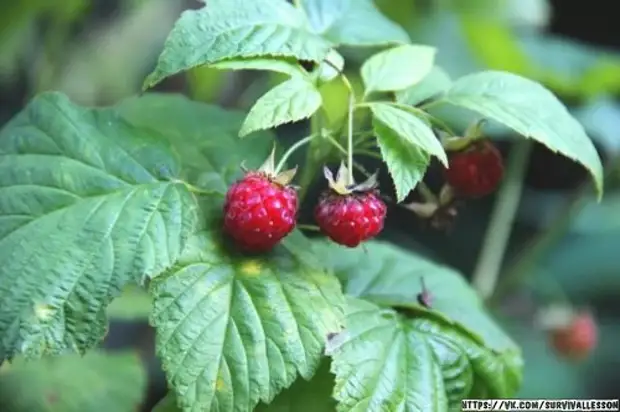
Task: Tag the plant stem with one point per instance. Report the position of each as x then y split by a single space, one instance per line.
336 144
308 227
500 224
292 150
309 170
525 261
369 153
198 191
347 83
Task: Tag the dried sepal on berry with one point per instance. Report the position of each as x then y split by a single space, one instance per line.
268 168
440 211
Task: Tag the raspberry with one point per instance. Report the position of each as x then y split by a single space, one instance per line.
577 339
260 209
349 216
475 171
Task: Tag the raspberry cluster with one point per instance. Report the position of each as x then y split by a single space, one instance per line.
262 207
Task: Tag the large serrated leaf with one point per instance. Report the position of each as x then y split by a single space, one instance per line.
204 136
411 129
97 382
353 22
84 209
235 330
397 68
531 110
226 29
414 358
293 100
406 163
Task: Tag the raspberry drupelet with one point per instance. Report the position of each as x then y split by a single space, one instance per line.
261 208
350 214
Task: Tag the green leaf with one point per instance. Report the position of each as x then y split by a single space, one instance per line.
84 210
531 110
205 137
397 68
280 65
411 129
407 163
306 396
234 330
353 22
414 358
97 382
225 29
432 85
293 100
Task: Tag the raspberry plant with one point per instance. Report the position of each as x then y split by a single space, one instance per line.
95 199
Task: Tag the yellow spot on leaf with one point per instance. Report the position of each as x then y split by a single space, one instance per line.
220 385
251 268
43 312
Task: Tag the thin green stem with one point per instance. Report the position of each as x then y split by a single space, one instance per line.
369 153
309 169
441 124
430 104
349 127
419 112
525 262
292 150
198 191
336 144
308 227
500 224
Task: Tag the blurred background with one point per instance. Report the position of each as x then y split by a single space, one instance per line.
564 245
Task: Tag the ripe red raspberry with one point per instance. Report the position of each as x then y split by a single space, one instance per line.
476 170
350 214
260 209
577 339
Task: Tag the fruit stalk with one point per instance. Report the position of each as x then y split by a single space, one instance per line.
500 224
351 108
292 150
